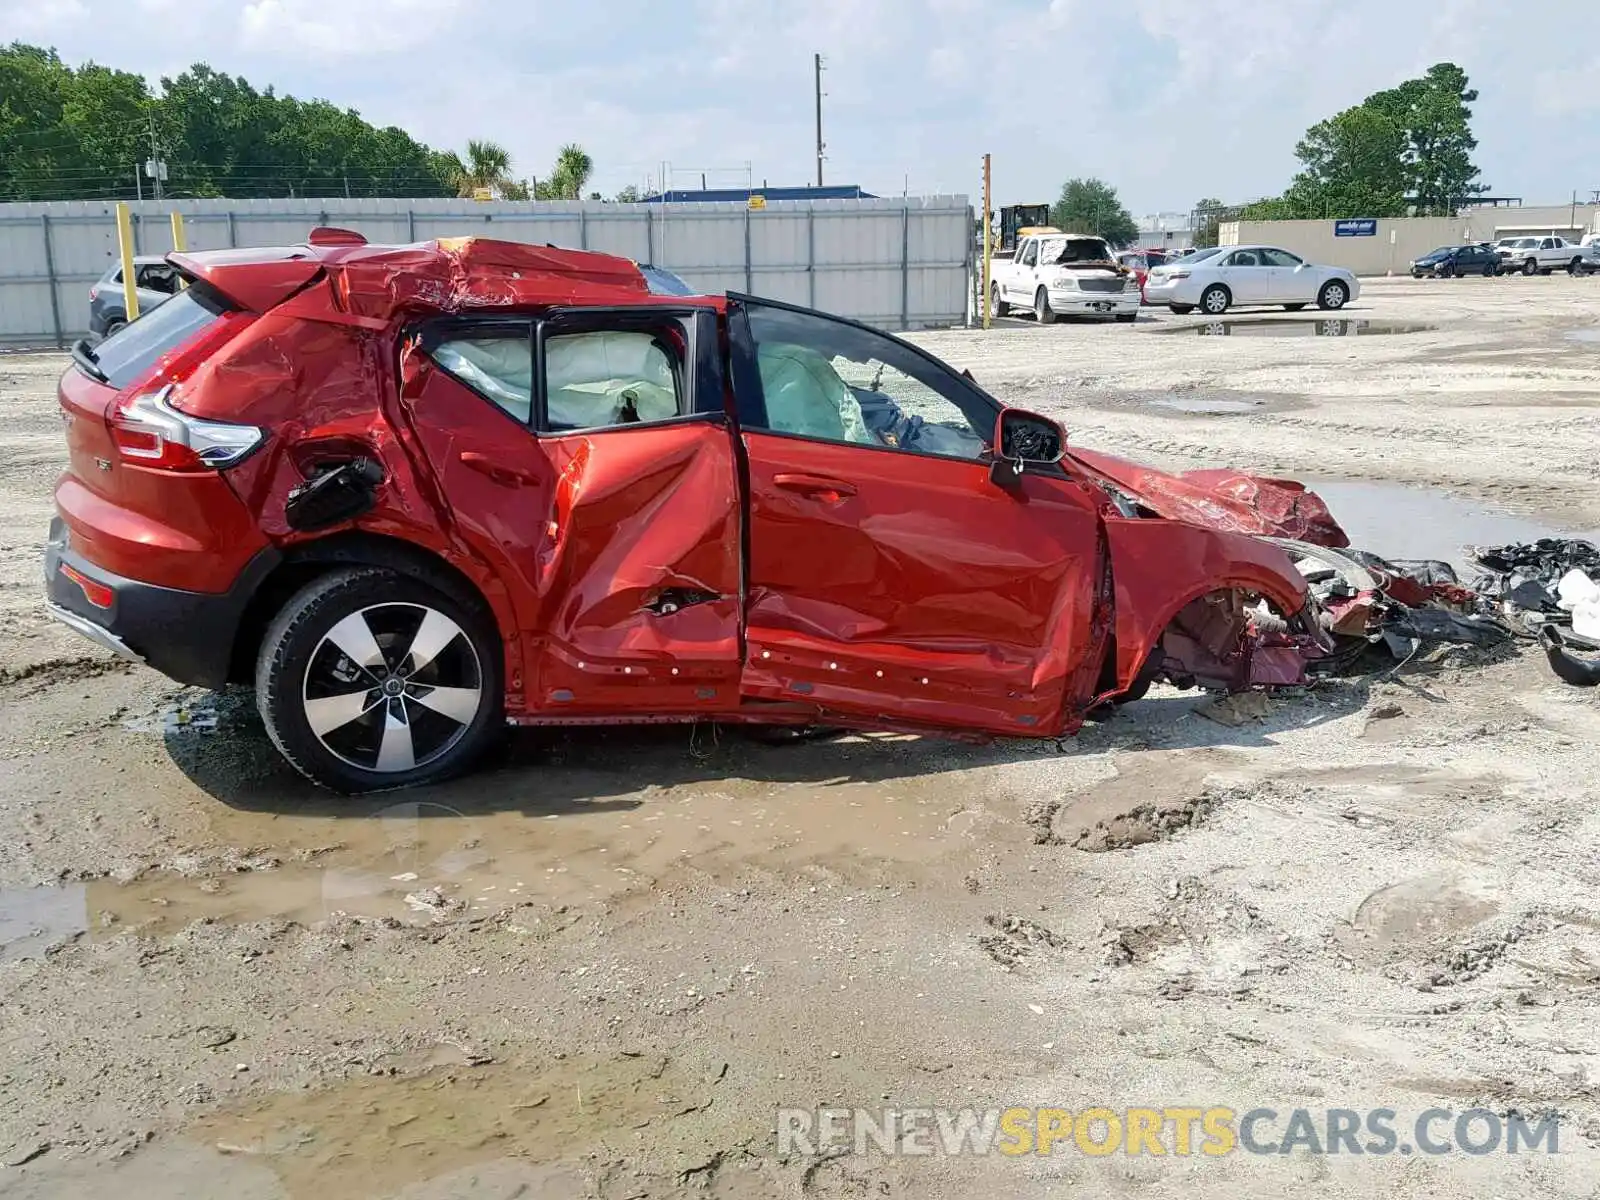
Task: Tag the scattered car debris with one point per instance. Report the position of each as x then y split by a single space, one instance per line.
1549 586
1369 603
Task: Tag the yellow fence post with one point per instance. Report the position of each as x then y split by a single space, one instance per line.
130 290
178 244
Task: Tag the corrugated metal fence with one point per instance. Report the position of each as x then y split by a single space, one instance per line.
899 264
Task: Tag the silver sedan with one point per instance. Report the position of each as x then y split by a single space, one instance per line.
1230 276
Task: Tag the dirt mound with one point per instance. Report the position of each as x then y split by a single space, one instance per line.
1097 823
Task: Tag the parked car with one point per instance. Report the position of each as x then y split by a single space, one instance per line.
1249 275
1542 255
1479 258
1058 274
154 279
413 493
1140 262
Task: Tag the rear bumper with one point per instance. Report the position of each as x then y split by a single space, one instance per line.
187 636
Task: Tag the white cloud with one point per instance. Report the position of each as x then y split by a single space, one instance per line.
1169 100
346 28
23 19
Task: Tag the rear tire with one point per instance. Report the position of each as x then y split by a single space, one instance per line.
997 307
113 326
1041 308
1215 300
368 679
1181 309
1333 296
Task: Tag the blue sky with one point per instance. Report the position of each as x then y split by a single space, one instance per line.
1168 100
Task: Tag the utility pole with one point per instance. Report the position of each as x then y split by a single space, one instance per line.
155 159
817 62
985 299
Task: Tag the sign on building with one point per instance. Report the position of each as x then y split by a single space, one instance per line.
1356 227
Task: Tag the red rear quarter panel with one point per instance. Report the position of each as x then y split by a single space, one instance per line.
171 529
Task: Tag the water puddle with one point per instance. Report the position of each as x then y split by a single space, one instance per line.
1292 327
1398 521
1209 407
34 919
377 1135
425 862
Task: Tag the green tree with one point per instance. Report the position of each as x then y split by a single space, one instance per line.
569 175
70 133
1207 216
1092 206
1435 114
1352 166
628 195
487 165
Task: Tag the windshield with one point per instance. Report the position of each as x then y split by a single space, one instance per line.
1440 252
1073 250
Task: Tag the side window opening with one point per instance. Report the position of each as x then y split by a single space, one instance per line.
157 277
835 382
591 378
596 378
498 365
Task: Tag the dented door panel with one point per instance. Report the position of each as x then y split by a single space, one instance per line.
621 546
1163 567
637 571
911 588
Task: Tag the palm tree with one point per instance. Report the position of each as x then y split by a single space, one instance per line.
572 170
488 165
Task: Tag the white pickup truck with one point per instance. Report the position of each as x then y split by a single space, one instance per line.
1063 274
1546 254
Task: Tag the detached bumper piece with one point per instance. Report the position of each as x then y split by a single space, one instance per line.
187 636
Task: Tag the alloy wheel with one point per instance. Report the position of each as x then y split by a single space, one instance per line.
392 687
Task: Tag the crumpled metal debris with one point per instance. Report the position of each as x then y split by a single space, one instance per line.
1368 602
1549 586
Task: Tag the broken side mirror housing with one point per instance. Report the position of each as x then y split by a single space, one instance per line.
1023 439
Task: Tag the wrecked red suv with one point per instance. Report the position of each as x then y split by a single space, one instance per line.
413 493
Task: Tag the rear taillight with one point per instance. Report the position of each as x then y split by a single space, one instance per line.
148 431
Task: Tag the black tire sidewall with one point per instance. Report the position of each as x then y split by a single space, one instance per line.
298 629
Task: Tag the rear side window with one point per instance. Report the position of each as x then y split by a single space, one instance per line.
610 377
498 366
134 349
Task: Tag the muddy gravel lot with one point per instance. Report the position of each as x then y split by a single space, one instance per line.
601 965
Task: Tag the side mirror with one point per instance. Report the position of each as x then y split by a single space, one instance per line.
1022 438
